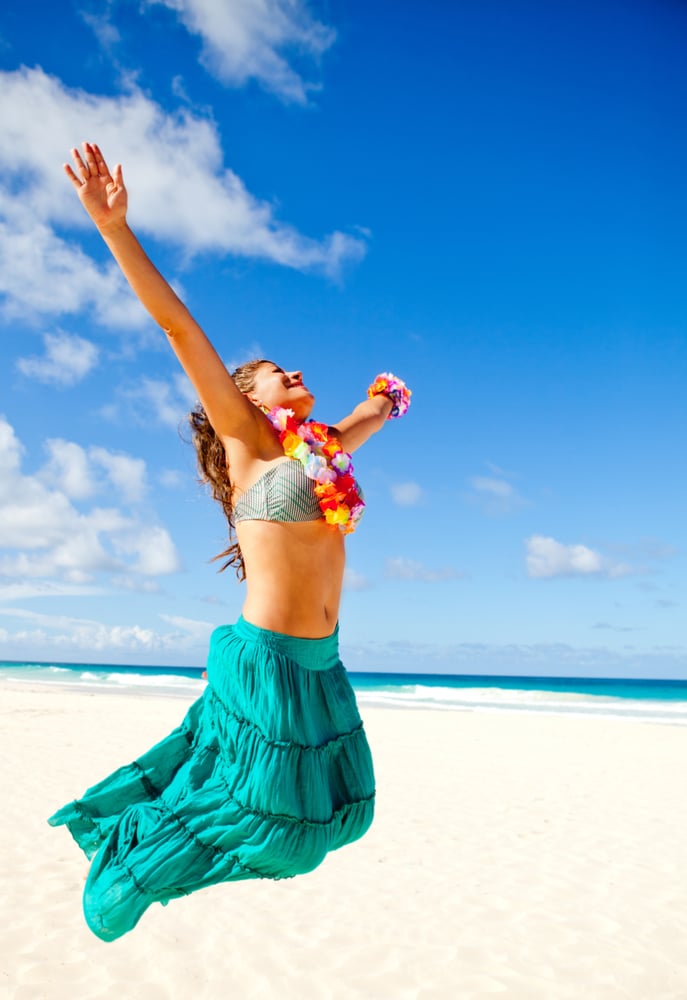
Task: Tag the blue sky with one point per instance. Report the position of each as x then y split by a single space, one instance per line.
485 197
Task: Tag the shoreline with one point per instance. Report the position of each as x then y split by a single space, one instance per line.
365 703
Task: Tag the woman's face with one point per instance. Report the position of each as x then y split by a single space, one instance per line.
272 386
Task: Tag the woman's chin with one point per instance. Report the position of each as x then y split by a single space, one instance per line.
301 407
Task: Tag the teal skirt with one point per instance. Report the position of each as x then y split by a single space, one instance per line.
268 772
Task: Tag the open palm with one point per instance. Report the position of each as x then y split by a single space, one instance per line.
102 194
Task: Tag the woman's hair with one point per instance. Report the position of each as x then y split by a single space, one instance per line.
213 465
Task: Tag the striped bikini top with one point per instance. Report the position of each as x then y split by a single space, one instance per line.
283 493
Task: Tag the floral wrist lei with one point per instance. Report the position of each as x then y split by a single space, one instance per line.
394 389
325 461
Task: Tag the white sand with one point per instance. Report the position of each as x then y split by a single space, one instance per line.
523 855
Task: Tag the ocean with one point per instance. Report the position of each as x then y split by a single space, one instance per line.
656 701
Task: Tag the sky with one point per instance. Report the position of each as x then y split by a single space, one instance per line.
487 198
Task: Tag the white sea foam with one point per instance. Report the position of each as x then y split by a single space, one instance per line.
150 680
493 699
113 681
479 697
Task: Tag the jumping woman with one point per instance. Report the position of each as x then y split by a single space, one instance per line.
271 768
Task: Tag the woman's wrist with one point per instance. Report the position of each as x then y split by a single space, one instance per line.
395 389
110 230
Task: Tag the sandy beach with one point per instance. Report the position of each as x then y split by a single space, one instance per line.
524 855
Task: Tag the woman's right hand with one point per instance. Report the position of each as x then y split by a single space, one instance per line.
102 194
104 197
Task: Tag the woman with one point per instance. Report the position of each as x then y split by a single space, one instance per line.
270 769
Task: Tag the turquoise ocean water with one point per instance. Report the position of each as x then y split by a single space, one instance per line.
658 701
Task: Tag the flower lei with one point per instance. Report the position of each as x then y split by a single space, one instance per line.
325 461
395 389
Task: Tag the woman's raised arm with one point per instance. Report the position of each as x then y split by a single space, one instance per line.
104 197
365 420
387 397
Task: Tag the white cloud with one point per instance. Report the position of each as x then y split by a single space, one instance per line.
136 583
67 360
153 547
495 487
52 632
547 558
10 452
46 537
198 630
68 469
517 659
354 581
171 479
73 470
245 39
42 274
606 626
407 494
73 559
127 474
82 633
162 401
31 516
180 191
47 588
495 494
400 568
103 29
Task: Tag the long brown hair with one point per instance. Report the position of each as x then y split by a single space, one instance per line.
214 467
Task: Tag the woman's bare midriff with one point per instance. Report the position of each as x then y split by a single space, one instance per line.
294 575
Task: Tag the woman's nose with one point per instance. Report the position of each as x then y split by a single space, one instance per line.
296 376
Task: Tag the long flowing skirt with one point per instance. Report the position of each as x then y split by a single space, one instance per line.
269 770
